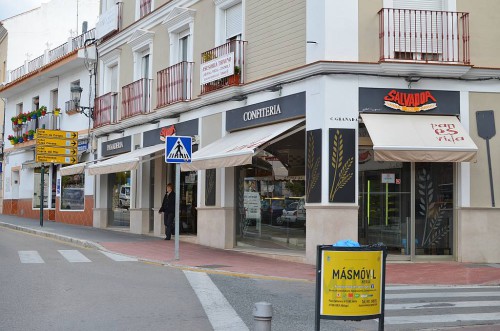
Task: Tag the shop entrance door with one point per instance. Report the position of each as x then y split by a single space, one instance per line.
406 206
385 205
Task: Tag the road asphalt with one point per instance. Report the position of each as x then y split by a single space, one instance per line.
244 264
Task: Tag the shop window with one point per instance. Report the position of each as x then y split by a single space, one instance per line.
73 192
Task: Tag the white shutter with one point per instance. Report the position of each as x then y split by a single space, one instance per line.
423 26
234 21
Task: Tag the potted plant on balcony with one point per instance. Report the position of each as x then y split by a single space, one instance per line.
57 111
20 139
12 139
25 136
235 78
31 134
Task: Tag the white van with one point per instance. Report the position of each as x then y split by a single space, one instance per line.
124 197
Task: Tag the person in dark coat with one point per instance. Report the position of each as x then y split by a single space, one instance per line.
168 207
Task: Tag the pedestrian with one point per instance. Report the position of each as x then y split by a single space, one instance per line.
168 207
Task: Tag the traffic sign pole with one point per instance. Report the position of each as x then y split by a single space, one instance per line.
41 195
177 205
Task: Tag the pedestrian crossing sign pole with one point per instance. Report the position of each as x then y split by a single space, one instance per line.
177 150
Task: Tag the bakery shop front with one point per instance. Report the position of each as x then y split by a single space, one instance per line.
411 145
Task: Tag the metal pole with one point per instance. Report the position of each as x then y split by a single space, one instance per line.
41 194
177 204
491 173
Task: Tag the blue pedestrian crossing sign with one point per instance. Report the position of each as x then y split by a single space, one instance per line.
178 149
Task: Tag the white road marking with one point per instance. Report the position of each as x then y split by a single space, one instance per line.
73 256
440 295
448 318
220 313
119 257
434 305
30 257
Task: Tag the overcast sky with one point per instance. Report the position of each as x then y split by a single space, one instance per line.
9 8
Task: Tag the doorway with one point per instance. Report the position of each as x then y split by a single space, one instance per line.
406 206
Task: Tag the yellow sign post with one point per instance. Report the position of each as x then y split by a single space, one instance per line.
350 283
55 146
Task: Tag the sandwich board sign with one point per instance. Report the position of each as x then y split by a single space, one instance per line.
178 149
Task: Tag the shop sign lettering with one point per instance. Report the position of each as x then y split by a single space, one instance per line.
447 132
113 146
410 102
218 68
261 112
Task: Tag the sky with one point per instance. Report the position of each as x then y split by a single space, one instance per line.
9 8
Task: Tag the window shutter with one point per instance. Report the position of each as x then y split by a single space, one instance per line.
423 26
234 21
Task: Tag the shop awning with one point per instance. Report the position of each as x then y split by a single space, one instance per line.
74 169
419 138
123 162
236 148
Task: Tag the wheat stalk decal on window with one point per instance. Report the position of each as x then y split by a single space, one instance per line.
342 170
312 166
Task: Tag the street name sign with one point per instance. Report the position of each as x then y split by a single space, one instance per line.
56 159
52 150
57 142
58 134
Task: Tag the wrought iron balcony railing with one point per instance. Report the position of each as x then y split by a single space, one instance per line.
105 109
424 35
136 98
174 84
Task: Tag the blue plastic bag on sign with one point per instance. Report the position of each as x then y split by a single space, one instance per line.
346 243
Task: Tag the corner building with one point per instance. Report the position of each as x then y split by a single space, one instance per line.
311 122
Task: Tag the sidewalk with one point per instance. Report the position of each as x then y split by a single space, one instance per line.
191 255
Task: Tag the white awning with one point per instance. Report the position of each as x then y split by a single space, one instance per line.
236 148
74 169
419 138
123 162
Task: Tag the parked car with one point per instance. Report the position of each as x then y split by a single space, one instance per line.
271 209
294 215
124 197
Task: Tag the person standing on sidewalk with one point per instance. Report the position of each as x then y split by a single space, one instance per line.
168 207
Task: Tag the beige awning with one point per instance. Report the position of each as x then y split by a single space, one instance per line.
74 169
237 148
123 162
419 138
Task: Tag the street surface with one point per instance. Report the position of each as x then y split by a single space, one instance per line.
51 285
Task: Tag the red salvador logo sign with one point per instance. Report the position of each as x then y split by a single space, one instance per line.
410 102
166 132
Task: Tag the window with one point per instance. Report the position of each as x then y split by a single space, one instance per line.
73 192
230 20
144 7
180 26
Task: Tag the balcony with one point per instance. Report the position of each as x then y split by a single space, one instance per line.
424 36
136 98
175 84
215 69
105 109
145 8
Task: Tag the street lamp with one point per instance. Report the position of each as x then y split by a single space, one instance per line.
76 94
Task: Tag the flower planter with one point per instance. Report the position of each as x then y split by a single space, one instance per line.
234 79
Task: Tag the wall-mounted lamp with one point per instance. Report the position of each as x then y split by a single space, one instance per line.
413 79
275 88
76 94
238 98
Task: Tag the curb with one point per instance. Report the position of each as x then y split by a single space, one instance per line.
76 241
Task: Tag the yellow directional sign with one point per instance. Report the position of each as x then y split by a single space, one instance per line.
56 159
57 142
58 134
51 150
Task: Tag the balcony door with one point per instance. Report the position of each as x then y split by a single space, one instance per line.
183 57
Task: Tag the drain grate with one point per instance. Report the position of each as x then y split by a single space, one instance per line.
212 266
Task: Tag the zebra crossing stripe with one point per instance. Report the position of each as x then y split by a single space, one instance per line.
30 257
220 313
119 257
73 256
448 318
434 305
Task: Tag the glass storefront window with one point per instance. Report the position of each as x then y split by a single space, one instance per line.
120 198
73 192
